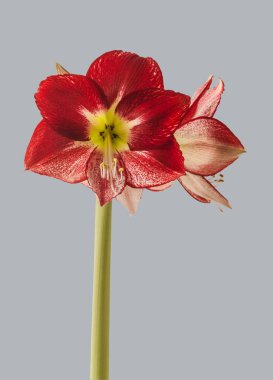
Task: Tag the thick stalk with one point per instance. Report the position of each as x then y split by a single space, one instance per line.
101 294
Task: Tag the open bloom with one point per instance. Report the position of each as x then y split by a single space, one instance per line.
208 146
113 127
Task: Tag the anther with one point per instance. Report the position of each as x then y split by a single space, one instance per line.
121 170
216 179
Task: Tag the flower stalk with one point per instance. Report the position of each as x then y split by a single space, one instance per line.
101 294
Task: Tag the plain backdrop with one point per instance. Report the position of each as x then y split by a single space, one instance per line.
191 293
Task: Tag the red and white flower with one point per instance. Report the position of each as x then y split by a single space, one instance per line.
208 146
113 127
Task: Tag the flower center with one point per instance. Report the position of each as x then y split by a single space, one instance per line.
108 167
109 133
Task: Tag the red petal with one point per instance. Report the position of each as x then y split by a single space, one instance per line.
105 189
61 98
208 146
202 190
154 115
119 73
130 198
56 156
145 169
205 101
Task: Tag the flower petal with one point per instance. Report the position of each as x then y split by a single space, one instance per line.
51 154
105 189
62 99
86 183
201 90
205 101
156 167
119 73
61 70
153 115
208 146
161 187
130 198
202 190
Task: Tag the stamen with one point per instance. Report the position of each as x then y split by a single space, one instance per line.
110 172
121 170
114 167
216 180
102 173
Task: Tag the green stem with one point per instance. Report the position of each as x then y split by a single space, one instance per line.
101 294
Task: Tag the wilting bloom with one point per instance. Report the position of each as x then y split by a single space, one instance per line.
208 146
113 127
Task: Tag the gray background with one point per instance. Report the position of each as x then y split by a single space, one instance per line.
191 287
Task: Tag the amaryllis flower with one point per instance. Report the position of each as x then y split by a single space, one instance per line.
130 196
113 127
208 146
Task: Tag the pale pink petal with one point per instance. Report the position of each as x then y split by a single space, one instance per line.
202 190
201 89
161 187
130 198
205 101
208 146
85 183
